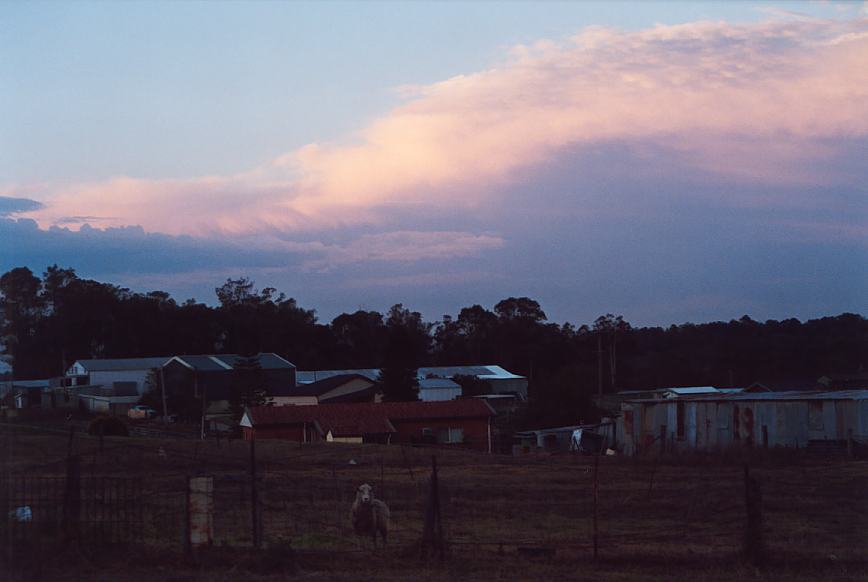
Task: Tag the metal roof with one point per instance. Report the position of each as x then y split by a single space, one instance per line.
486 372
219 362
324 385
104 365
769 396
693 390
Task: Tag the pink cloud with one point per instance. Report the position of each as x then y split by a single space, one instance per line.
751 102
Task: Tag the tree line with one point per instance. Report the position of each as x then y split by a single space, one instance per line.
49 322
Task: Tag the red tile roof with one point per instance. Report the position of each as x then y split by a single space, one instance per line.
368 418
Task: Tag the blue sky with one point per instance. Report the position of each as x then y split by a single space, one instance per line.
668 161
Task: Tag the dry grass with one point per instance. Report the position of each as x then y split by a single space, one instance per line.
682 519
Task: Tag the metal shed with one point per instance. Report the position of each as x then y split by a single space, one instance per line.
767 419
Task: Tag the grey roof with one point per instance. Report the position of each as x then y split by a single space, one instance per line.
693 390
218 362
487 372
30 384
309 376
203 363
123 364
324 385
770 396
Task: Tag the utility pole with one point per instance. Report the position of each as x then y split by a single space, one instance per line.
599 364
163 390
254 497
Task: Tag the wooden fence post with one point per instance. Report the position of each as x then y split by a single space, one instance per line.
200 514
596 498
256 531
72 497
754 547
432 536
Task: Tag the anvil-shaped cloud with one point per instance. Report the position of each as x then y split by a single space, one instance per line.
751 102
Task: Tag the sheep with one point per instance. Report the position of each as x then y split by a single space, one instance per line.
370 515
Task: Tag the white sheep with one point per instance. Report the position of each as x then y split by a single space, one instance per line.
370 515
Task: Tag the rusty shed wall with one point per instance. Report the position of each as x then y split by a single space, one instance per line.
715 424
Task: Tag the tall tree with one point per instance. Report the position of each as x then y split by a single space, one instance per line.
407 348
248 387
608 327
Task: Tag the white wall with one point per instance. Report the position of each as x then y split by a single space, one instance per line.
439 394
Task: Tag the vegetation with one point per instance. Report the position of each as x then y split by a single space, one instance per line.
248 386
49 322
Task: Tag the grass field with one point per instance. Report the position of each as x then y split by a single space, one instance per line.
504 517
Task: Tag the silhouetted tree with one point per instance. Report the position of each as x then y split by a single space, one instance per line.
248 386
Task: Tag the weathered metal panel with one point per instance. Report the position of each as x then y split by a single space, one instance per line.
829 421
723 435
861 430
690 424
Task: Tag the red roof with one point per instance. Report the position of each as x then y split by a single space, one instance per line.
366 417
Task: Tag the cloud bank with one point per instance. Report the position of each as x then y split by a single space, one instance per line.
676 173
751 102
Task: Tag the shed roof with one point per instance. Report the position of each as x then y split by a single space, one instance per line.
486 372
693 390
218 362
772 396
327 384
105 365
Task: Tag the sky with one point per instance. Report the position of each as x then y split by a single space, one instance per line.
668 161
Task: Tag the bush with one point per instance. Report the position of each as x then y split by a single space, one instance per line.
107 426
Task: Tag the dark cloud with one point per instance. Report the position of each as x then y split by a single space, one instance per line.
9 205
622 228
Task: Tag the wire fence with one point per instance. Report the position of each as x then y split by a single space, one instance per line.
302 497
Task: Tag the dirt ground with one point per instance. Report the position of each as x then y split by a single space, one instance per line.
504 517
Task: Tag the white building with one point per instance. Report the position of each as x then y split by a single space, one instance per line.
107 372
438 389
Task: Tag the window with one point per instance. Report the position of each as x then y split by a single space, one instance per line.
450 435
679 424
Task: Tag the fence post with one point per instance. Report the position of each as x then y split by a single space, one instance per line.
200 514
754 547
254 498
596 498
432 537
72 497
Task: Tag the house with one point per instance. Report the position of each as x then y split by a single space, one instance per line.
105 372
461 423
211 377
333 389
709 422
499 380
